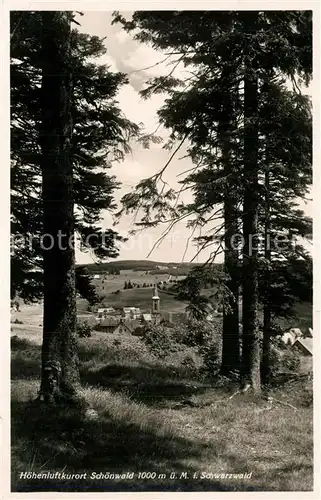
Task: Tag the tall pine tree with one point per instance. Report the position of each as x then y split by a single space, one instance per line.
101 135
67 128
60 373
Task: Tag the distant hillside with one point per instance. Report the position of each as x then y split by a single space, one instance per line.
142 265
142 298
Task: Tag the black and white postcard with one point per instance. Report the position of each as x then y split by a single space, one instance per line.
163 185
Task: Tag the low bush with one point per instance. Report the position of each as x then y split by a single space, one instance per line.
203 337
84 329
283 361
194 333
189 364
160 340
211 355
291 360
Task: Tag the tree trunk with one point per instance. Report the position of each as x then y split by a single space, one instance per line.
265 366
251 337
231 341
60 372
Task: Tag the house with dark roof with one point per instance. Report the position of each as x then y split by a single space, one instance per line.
305 346
115 325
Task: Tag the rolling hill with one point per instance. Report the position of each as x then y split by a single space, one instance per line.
141 265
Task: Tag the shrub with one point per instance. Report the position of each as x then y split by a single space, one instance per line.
84 329
211 355
291 360
189 364
204 337
194 333
160 340
285 360
207 338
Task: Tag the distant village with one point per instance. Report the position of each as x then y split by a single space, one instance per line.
131 319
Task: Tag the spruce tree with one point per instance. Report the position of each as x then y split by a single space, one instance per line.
250 281
60 373
66 129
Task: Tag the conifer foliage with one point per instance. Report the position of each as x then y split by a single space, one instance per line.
100 136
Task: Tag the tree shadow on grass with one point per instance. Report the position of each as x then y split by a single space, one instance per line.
22 368
153 386
60 440
25 359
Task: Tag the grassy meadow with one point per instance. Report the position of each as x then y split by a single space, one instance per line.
147 424
106 286
142 297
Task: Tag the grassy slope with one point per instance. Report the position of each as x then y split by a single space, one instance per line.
141 428
142 297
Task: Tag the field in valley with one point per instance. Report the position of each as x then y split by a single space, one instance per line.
142 297
146 423
111 283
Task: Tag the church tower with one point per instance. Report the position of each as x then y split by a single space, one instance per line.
156 306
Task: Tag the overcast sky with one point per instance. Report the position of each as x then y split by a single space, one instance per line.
130 57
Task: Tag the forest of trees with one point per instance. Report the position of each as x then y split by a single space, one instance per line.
246 124
249 136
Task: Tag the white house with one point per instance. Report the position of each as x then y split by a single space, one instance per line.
290 337
103 312
131 312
